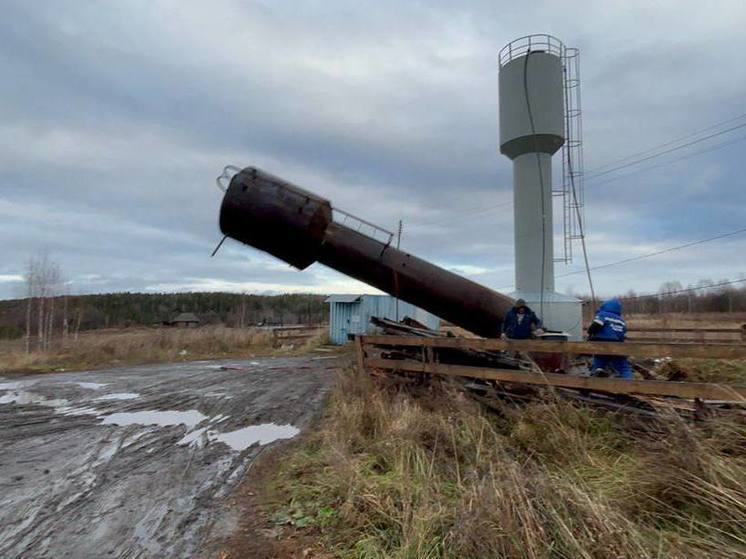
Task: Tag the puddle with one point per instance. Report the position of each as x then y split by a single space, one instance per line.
60 405
90 385
23 397
119 396
262 434
241 439
15 385
190 418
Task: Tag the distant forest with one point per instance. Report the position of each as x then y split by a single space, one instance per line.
115 310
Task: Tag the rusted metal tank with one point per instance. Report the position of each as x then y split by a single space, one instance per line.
298 227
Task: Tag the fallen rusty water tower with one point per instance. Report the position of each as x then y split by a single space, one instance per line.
537 108
278 217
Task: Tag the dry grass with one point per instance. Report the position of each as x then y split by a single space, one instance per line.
142 345
686 320
712 370
411 475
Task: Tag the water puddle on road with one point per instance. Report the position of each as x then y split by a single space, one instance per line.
190 418
60 405
23 398
15 385
91 385
241 439
262 434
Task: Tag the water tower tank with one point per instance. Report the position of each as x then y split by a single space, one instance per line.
536 74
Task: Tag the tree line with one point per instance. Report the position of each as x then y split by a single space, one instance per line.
48 310
704 296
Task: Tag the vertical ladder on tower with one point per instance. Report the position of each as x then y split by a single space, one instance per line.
571 189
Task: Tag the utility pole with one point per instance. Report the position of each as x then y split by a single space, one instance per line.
398 244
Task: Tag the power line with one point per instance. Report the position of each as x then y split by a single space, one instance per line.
464 213
650 254
668 143
669 162
658 252
581 227
486 209
664 152
683 290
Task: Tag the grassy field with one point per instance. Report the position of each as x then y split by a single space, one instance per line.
430 474
105 348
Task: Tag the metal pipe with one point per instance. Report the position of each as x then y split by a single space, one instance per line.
296 226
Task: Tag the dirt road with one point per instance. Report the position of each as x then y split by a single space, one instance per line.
137 462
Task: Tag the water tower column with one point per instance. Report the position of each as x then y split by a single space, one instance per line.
532 202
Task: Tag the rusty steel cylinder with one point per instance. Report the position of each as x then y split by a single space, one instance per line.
297 226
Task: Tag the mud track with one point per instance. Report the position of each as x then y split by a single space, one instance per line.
138 462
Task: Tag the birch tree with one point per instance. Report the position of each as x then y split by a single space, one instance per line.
43 280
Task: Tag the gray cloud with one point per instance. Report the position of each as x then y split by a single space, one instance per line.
120 115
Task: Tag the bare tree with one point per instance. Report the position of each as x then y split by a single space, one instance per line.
65 320
30 282
43 280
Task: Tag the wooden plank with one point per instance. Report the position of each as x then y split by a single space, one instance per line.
689 390
664 329
639 349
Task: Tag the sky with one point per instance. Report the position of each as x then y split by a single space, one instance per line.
116 118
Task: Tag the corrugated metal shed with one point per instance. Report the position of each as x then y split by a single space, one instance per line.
350 314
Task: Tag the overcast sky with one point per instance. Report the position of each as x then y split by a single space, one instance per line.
116 117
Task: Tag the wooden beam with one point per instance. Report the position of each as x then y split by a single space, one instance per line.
663 329
638 349
689 390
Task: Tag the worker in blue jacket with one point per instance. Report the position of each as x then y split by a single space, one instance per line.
520 322
609 326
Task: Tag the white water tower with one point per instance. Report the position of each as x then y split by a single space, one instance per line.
535 120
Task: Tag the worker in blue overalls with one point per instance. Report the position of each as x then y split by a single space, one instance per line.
609 326
521 322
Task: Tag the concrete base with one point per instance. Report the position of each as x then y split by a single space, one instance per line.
560 312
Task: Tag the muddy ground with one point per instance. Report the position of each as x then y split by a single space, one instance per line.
140 461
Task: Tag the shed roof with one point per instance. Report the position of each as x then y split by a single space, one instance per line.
186 317
343 298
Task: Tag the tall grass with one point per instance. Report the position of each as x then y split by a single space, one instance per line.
433 475
143 345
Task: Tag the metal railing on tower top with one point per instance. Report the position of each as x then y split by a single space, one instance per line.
534 43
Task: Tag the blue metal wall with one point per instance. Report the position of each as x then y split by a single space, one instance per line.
351 315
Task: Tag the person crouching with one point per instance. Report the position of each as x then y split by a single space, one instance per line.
609 326
520 322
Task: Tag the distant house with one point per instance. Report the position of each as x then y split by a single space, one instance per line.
186 320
